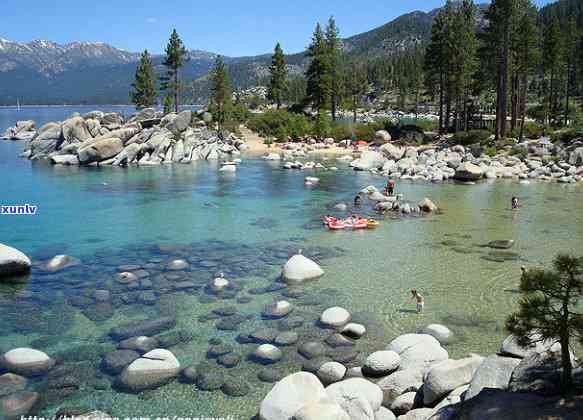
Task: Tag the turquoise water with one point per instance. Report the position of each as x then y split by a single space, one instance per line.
247 225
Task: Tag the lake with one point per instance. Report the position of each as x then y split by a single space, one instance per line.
247 225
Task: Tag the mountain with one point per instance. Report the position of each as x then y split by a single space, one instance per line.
43 72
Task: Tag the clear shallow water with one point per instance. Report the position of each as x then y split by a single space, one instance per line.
247 225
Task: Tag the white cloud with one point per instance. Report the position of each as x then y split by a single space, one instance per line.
151 20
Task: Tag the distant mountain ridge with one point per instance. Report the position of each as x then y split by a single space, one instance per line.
44 72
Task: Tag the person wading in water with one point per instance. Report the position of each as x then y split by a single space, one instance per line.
419 299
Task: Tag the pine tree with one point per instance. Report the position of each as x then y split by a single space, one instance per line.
571 38
333 44
278 80
553 57
143 94
176 57
318 73
548 309
356 84
222 93
168 103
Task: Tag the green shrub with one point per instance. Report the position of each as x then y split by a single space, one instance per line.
566 135
240 113
340 131
426 124
466 138
364 132
491 151
533 130
280 124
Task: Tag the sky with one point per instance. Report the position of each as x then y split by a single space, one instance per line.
227 27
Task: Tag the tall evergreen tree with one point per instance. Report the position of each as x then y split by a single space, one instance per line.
318 72
356 85
571 39
222 93
553 57
334 51
176 57
278 80
143 93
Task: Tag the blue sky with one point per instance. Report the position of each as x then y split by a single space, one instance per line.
229 27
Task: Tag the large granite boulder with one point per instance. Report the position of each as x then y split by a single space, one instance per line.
382 137
75 130
152 370
299 269
368 160
321 410
418 351
180 122
392 152
290 395
47 140
346 392
26 362
440 332
468 172
448 375
494 372
100 150
510 347
67 159
13 262
576 157
381 363
398 383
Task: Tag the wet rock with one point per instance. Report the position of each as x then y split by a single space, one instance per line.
448 375
264 335
354 330
299 269
10 383
218 284
312 365
286 338
291 323
269 375
60 262
173 338
440 332
152 370
335 317
468 172
231 323
18 404
99 312
494 372
26 362
225 311
229 360
13 262
267 353
147 328
147 298
501 244
381 363
235 387
116 361
418 351
210 380
339 340
331 372
278 309
244 299
176 265
342 355
291 394
140 344
219 350
312 349
102 295
427 206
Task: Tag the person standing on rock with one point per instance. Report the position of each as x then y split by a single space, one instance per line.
419 299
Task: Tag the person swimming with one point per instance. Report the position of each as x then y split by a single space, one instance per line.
419 299
515 203
358 200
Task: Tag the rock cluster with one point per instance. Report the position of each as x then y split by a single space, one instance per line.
413 378
146 138
536 160
23 130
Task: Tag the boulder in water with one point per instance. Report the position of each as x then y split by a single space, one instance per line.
299 269
60 262
13 262
335 317
27 362
17 405
468 172
152 370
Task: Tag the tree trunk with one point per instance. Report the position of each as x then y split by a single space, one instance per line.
441 103
515 101
504 84
566 376
523 94
568 91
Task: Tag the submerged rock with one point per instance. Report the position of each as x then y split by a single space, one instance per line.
18 404
152 370
27 362
440 332
10 383
147 328
335 317
60 262
267 353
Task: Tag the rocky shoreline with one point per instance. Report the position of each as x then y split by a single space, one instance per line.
146 138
